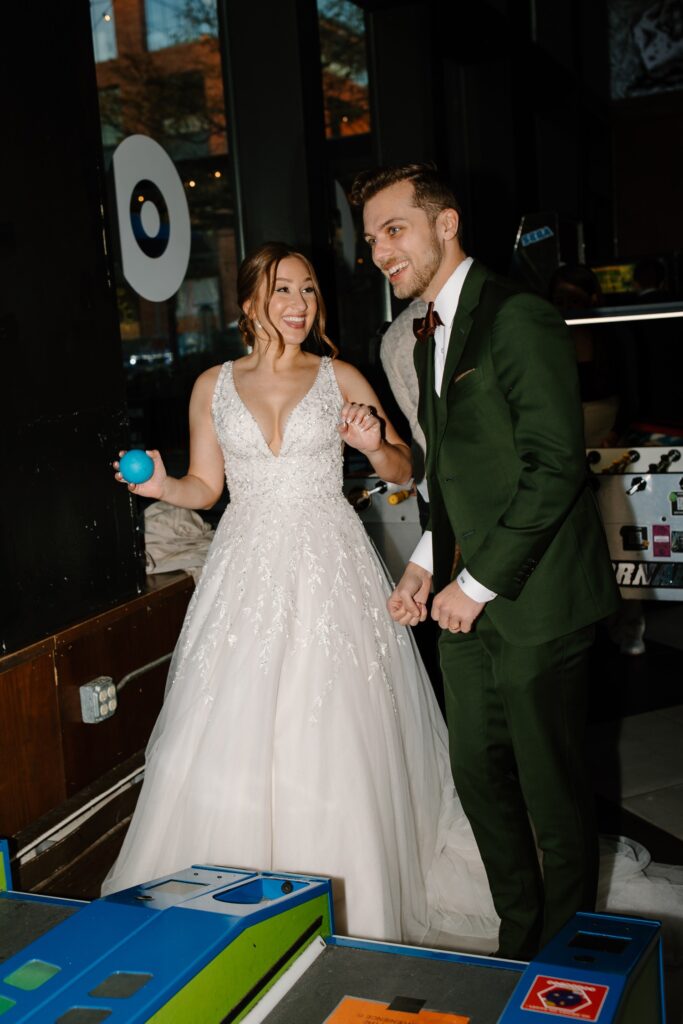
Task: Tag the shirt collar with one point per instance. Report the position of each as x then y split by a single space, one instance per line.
446 302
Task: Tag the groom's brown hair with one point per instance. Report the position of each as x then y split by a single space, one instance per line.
431 192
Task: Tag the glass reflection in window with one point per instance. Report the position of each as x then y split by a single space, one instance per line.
171 22
103 29
344 68
167 84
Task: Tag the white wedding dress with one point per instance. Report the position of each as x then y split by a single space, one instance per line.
299 731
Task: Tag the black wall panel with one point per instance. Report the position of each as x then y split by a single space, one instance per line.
68 540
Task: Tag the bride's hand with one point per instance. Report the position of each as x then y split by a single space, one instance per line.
361 427
407 604
152 488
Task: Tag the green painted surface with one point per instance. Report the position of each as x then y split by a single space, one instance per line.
4 867
209 996
31 975
6 1004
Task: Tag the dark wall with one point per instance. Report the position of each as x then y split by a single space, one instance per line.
68 543
511 100
526 120
648 161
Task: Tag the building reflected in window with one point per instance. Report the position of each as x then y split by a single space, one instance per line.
344 68
163 79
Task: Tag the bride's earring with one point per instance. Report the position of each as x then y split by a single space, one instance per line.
258 324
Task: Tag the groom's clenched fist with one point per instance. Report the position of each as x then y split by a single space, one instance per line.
408 603
454 610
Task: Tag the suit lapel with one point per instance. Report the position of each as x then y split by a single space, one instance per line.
433 408
426 409
462 323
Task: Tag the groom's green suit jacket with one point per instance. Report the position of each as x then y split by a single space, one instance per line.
506 466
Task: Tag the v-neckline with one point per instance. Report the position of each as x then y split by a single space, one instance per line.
289 414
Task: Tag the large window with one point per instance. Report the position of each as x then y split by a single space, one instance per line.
163 80
346 94
344 68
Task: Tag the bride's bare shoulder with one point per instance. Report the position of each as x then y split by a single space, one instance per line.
205 385
209 377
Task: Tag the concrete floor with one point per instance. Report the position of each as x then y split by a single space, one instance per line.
636 748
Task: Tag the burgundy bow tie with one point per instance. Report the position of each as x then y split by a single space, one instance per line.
424 327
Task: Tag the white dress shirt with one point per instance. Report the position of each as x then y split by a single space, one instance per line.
446 305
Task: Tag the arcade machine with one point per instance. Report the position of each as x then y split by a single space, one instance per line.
209 945
640 494
639 487
390 515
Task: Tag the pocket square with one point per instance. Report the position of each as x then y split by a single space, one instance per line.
465 373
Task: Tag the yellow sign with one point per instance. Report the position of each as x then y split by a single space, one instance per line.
366 1011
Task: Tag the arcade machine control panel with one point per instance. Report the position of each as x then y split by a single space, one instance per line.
640 496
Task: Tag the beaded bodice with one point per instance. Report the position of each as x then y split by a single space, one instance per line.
309 464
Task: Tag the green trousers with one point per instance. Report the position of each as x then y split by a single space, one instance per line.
516 722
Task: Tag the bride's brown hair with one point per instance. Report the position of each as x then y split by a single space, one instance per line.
260 267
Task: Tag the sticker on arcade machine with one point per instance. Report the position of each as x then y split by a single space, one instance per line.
661 540
352 1010
560 997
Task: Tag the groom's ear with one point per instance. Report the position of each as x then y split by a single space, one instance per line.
447 223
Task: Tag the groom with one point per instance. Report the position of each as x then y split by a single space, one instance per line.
518 595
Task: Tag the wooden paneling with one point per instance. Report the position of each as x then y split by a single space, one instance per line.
31 769
114 644
76 862
46 752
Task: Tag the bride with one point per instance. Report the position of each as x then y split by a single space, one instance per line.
299 730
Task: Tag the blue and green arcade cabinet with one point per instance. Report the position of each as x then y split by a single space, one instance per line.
213 945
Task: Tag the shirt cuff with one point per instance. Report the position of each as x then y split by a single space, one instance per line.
422 555
424 493
476 591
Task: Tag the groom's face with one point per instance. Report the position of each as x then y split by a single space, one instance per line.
404 241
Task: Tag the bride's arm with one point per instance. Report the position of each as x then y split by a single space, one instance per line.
365 426
202 485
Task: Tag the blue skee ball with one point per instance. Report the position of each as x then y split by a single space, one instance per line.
136 466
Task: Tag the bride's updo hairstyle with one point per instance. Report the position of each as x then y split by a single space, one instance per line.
260 268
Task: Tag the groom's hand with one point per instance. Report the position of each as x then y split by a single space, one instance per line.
454 610
408 603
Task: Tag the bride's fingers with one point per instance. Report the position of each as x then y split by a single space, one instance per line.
400 613
358 414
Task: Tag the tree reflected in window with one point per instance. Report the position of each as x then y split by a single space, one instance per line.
344 68
171 22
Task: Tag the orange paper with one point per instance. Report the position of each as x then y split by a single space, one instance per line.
366 1011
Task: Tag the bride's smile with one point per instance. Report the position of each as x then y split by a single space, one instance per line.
293 305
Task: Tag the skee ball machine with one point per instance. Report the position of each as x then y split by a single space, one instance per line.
210 945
